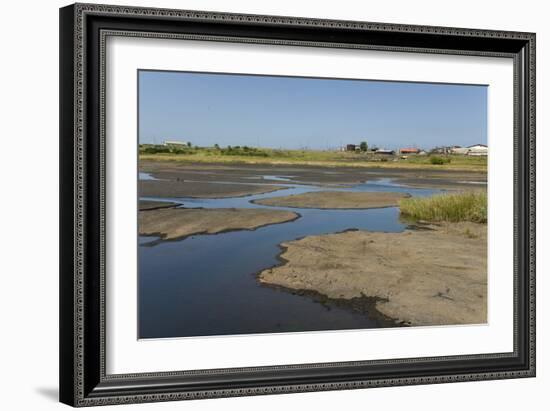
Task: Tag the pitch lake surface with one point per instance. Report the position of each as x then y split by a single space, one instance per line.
206 284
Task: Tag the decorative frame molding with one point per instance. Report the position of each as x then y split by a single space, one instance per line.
83 32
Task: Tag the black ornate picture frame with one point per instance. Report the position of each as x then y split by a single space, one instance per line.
83 30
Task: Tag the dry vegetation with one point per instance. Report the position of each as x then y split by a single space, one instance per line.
252 155
466 206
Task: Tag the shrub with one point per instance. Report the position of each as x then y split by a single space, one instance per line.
154 149
468 206
439 160
243 151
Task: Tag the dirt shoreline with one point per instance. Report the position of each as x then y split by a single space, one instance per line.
148 205
336 200
363 305
304 174
434 276
179 223
170 189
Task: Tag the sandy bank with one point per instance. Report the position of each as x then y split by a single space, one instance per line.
445 184
174 223
316 175
145 205
423 277
161 188
336 199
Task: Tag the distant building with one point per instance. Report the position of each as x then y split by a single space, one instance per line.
385 152
460 150
475 150
351 147
442 150
176 143
478 150
409 150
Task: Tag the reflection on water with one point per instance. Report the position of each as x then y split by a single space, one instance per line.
146 176
206 284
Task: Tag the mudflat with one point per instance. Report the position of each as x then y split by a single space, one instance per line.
175 188
153 205
433 276
336 200
176 223
317 175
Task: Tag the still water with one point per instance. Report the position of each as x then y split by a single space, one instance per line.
206 284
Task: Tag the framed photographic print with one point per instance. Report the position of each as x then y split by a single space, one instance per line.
262 204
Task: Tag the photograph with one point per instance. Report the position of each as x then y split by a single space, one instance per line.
285 204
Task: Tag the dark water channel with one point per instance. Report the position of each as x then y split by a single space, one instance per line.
206 284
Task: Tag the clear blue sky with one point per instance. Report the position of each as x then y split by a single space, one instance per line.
291 112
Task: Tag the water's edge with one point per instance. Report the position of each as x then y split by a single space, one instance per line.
207 285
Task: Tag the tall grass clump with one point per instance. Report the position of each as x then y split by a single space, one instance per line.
439 160
467 206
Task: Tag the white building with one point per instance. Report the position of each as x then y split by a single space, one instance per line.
385 151
460 150
478 150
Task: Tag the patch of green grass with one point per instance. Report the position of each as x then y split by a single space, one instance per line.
467 206
453 160
439 160
329 158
